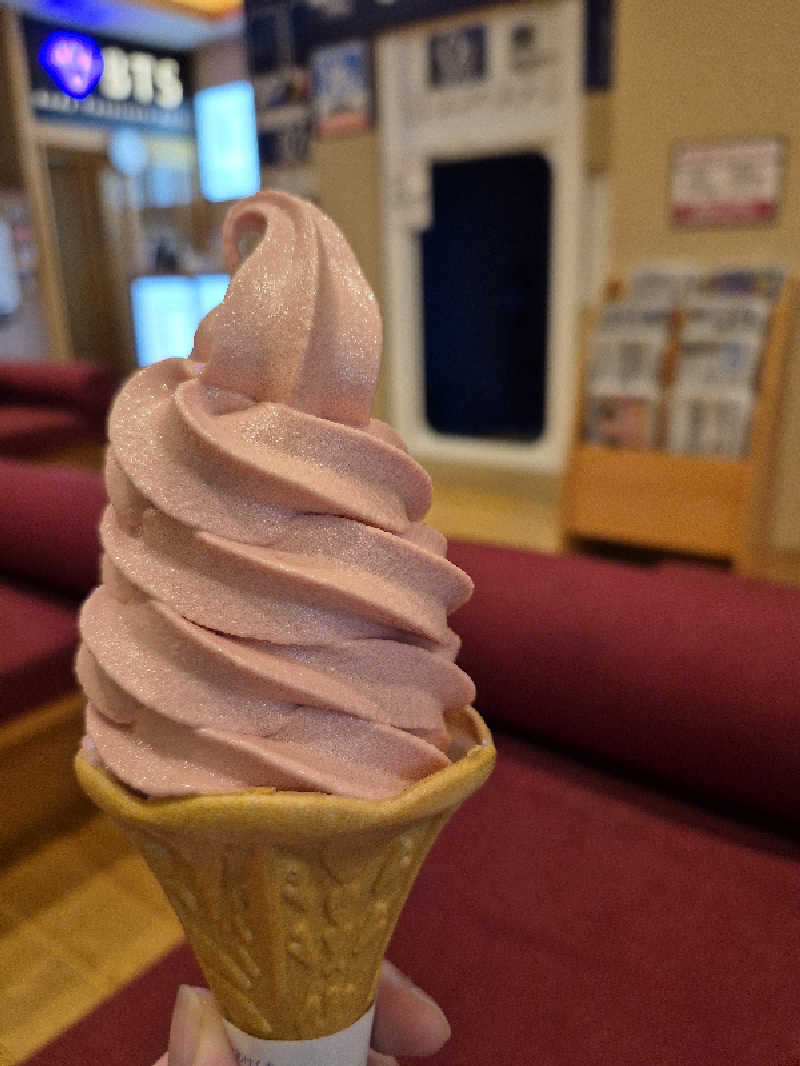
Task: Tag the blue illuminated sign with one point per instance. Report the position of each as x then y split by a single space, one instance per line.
74 62
167 309
227 143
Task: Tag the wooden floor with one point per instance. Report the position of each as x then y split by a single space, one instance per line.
80 914
79 917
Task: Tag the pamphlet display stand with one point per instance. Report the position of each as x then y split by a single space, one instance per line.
708 506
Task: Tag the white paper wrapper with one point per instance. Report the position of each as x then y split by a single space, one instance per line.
350 1047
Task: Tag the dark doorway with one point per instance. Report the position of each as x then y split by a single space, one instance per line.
485 267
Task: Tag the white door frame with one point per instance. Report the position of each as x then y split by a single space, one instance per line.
539 108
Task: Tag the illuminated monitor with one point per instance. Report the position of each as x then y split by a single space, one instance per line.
167 309
227 143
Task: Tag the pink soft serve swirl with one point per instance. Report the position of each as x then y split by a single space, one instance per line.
273 611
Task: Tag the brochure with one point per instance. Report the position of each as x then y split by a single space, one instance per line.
711 424
622 421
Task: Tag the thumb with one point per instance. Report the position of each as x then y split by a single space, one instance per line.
197 1036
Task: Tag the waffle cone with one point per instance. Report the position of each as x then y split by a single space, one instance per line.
289 898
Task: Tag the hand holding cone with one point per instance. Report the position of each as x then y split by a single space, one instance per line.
289 899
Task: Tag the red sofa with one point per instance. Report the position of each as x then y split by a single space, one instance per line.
625 891
49 547
46 407
49 552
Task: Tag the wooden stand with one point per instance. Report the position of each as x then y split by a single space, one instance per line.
709 507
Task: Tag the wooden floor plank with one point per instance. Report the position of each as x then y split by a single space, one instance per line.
79 917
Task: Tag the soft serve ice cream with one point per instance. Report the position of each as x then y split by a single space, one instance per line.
273 611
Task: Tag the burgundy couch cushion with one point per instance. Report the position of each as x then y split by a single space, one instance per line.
48 525
29 430
566 918
689 674
78 386
38 638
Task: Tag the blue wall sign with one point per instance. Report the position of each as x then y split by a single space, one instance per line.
101 80
74 62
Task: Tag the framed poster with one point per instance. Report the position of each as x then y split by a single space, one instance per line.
341 87
457 57
719 183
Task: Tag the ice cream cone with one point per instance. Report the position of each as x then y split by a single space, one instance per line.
289 898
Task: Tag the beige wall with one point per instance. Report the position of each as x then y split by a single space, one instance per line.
701 69
686 70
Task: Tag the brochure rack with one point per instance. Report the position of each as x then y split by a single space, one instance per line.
694 505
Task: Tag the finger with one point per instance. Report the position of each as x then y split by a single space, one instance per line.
197 1036
407 1020
376 1059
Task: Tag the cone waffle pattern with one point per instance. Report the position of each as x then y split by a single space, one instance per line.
289 899
329 911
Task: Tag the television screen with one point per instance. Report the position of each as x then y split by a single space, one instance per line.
167 309
227 143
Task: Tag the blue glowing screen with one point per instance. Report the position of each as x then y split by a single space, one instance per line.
227 144
167 309
74 62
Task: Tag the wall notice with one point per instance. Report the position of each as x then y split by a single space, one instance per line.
726 182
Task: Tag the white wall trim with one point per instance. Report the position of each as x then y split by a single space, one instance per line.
539 109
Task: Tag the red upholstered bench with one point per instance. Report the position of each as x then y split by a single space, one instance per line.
46 408
624 891
687 673
566 917
38 637
30 431
49 559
